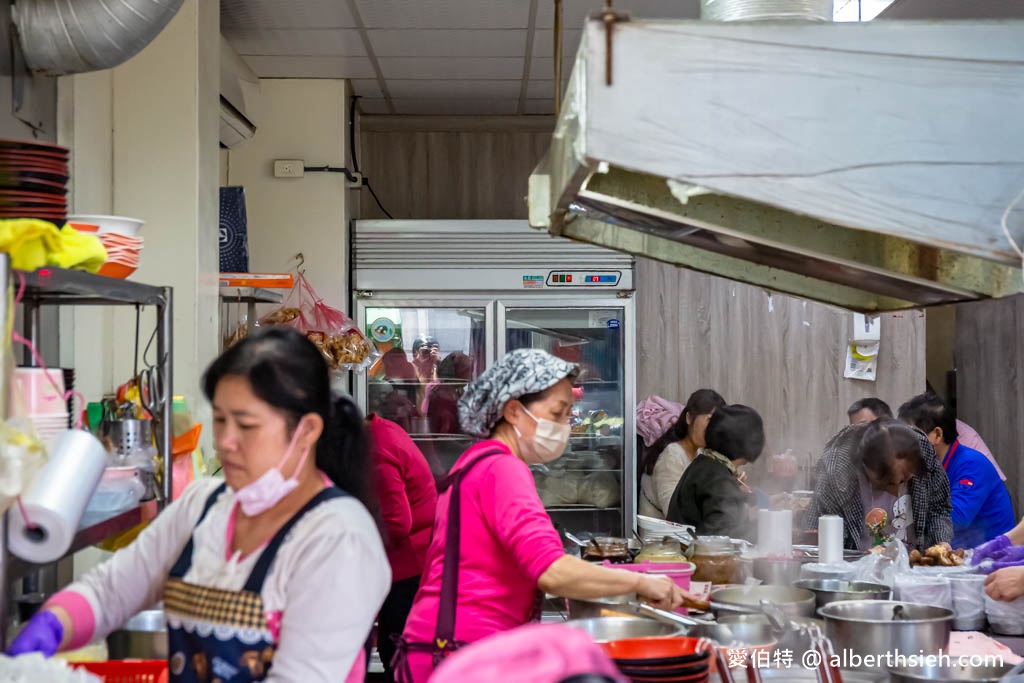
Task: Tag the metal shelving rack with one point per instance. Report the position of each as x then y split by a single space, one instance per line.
57 287
250 296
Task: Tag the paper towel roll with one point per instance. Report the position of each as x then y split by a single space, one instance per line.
830 539
57 498
764 525
782 530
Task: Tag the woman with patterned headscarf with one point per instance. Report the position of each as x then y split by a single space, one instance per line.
495 551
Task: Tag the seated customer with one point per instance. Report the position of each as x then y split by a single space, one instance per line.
868 410
711 496
878 467
982 508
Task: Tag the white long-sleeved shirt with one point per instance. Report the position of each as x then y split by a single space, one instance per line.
656 489
329 578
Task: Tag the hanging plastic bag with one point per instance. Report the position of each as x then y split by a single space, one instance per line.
883 567
340 342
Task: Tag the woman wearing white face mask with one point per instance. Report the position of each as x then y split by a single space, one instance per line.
273 574
494 550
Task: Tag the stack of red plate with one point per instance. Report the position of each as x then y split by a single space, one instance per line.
33 181
670 659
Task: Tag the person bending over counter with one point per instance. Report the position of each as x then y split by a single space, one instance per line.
882 475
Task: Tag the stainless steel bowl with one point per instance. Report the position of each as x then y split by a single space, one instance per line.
830 590
794 602
605 629
144 636
872 628
953 672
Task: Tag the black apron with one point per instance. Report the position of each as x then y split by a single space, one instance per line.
222 635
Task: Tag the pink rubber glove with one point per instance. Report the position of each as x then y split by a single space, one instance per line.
43 634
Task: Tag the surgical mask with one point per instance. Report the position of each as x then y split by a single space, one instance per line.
547 443
271 487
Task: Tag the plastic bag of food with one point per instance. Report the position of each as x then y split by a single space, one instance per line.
968 601
34 668
924 590
600 489
883 565
337 337
1005 618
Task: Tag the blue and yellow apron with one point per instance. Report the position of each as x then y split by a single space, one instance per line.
222 636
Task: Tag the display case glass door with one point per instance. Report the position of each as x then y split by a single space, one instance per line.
427 356
583 490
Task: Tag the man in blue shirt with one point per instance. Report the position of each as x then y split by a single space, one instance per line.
982 508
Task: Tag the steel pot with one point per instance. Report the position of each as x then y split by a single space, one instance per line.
953 672
827 591
794 602
144 636
737 634
878 628
772 571
602 630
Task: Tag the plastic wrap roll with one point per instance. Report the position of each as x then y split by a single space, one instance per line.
782 532
764 524
830 539
57 498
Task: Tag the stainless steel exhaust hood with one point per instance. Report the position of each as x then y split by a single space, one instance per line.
862 165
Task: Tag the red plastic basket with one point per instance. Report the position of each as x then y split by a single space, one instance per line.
139 671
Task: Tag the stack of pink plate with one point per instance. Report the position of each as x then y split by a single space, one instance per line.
122 254
42 396
33 181
120 237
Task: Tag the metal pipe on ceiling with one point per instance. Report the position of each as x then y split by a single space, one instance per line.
76 36
766 10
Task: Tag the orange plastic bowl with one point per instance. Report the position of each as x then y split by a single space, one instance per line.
84 227
116 270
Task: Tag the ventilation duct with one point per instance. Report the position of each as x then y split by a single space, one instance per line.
61 37
766 10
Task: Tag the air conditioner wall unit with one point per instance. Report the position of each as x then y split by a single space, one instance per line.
239 98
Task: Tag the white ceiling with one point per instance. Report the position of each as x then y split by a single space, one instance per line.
469 57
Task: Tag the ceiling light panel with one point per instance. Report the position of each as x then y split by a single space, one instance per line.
448 42
444 13
329 42
418 89
311 67
264 14
575 12
434 68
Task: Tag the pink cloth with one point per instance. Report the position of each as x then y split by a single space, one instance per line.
973 643
83 621
654 416
972 439
539 653
507 543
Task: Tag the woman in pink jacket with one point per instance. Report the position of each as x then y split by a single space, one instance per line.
407 495
495 551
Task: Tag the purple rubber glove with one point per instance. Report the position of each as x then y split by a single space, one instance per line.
43 634
990 548
1004 563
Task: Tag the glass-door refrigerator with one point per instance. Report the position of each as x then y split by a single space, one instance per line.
442 300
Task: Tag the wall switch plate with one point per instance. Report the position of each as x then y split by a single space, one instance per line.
289 168
866 329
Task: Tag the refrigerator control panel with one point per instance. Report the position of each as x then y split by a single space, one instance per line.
583 278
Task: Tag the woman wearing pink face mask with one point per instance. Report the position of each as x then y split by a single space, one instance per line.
494 550
276 572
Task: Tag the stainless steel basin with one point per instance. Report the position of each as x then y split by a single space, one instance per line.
144 636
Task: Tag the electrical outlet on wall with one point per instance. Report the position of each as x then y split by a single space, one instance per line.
289 168
866 329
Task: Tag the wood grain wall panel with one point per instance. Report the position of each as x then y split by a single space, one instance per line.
781 355
989 356
449 173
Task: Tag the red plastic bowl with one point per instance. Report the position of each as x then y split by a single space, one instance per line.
672 671
665 651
